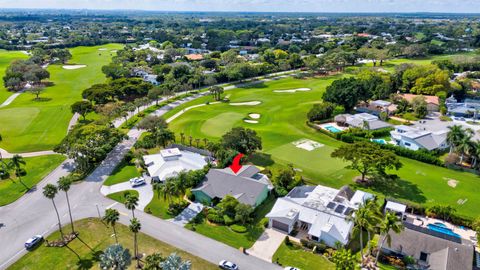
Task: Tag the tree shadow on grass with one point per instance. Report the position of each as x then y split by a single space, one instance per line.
256 84
395 187
261 159
41 99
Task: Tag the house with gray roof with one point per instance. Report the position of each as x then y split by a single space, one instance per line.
431 250
247 185
361 120
416 138
318 211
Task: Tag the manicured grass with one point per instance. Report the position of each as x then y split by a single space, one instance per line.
295 256
37 168
226 235
159 206
122 173
7 57
29 125
98 236
121 195
282 122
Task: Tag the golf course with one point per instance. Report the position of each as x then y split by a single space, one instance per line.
279 117
29 125
6 57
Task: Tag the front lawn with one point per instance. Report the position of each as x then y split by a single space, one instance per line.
159 206
122 173
120 196
295 256
95 235
226 235
37 168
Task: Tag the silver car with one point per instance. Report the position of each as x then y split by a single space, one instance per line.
137 181
226 265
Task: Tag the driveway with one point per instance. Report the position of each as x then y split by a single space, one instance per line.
188 214
145 192
267 244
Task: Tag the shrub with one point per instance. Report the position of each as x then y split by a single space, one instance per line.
190 195
320 247
176 208
287 241
264 222
214 217
228 220
238 228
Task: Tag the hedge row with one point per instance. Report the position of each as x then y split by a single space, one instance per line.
311 244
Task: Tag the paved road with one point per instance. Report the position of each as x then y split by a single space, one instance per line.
33 214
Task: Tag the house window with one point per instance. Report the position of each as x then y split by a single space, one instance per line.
407 144
314 238
423 256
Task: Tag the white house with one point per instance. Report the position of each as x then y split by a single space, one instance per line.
169 162
415 138
361 120
318 211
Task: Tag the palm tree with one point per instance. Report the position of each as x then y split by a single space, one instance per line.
135 227
190 138
361 220
390 222
465 146
182 137
475 153
16 163
205 141
454 136
168 189
197 142
131 202
50 191
64 185
115 257
111 217
164 136
374 220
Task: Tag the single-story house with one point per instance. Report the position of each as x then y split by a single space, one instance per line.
169 162
433 102
416 138
248 185
376 107
430 249
319 211
361 120
194 57
468 108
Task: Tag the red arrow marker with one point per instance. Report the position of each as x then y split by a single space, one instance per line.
236 166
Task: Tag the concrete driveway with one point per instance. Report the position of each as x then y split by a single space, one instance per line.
188 214
145 192
267 244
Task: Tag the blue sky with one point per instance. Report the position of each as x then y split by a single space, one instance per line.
456 6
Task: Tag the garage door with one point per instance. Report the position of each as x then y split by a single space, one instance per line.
280 226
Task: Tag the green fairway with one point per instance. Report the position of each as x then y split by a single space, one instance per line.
37 168
95 236
6 57
29 125
282 122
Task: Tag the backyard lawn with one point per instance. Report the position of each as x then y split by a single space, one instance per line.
97 236
295 256
6 57
224 234
122 173
37 168
29 125
282 122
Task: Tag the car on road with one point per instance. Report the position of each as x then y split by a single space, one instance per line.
227 265
290 268
137 181
33 241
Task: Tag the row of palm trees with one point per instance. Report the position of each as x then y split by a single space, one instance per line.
16 164
370 219
461 142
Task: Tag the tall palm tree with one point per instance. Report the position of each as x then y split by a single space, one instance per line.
454 136
50 191
475 153
390 222
361 220
16 163
64 185
374 218
135 227
131 202
465 147
111 217
197 142
168 189
182 137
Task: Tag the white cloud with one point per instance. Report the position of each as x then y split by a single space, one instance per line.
258 5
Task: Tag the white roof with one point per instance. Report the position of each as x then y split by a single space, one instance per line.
396 207
164 166
360 197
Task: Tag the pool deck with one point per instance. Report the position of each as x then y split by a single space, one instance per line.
331 124
465 233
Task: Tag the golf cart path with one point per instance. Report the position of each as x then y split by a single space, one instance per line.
5 154
10 99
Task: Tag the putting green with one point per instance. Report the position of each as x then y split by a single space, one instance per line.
6 57
30 125
283 122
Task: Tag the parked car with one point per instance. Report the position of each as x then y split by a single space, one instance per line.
290 268
137 181
226 265
33 241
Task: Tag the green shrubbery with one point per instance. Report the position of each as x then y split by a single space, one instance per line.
238 228
176 208
320 247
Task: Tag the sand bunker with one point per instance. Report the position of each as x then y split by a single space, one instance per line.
250 121
74 66
254 116
102 49
292 90
114 51
307 144
452 182
249 103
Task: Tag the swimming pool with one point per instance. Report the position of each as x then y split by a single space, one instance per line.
332 129
441 228
380 141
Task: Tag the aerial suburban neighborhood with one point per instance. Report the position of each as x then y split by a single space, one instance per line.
178 135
